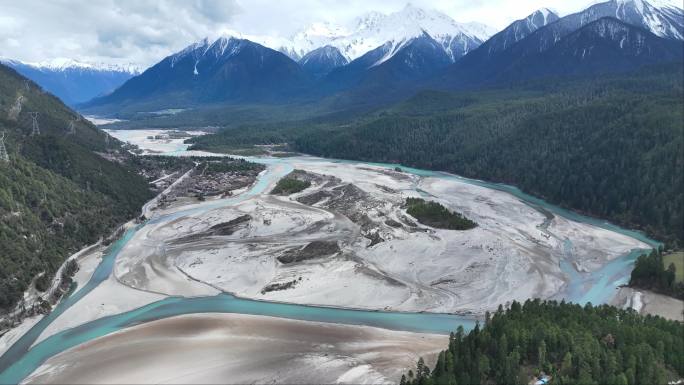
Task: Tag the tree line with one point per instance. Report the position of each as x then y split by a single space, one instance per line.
652 273
572 344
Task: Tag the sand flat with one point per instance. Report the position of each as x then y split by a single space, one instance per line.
648 302
233 348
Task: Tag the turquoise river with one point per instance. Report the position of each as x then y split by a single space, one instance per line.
24 356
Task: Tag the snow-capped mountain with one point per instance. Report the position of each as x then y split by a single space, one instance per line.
613 36
662 20
63 64
489 53
602 46
375 29
73 81
517 31
662 17
227 69
321 61
388 67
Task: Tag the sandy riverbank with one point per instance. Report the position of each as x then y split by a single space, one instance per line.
232 348
648 302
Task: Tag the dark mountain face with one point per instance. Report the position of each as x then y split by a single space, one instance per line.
390 65
603 46
662 22
459 45
350 75
417 59
321 61
515 32
73 85
468 69
228 69
666 22
572 48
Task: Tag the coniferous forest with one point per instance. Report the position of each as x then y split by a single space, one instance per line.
653 272
57 194
567 342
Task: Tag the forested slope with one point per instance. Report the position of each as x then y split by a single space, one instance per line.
57 193
607 146
572 344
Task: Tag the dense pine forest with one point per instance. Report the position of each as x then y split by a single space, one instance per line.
435 215
608 146
658 272
569 343
57 193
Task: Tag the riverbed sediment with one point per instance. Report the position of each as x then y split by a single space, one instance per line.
516 252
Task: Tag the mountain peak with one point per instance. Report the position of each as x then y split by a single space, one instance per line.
375 29
662 17
541 17
413 11
321 61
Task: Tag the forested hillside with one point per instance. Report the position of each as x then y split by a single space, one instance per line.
569 343
610 147
658 272
57 193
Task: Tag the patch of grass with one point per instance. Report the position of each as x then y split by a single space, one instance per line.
678 259
435 215
289 185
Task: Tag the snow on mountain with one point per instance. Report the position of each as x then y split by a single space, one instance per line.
63 64
664 18
73 81
605 45
226 69
515 32
375 29
204 51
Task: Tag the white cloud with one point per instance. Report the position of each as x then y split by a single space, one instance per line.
144 31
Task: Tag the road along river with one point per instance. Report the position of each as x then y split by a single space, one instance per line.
573 274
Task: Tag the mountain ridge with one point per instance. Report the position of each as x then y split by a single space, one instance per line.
72 81
228 69
374 29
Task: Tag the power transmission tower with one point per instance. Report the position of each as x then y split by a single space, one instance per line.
4 157
35 130
72 129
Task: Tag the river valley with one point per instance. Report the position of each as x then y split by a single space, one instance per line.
363 313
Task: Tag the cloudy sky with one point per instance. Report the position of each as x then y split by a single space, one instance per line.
144 31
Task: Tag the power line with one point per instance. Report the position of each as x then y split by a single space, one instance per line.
35 129
4 156
71 130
